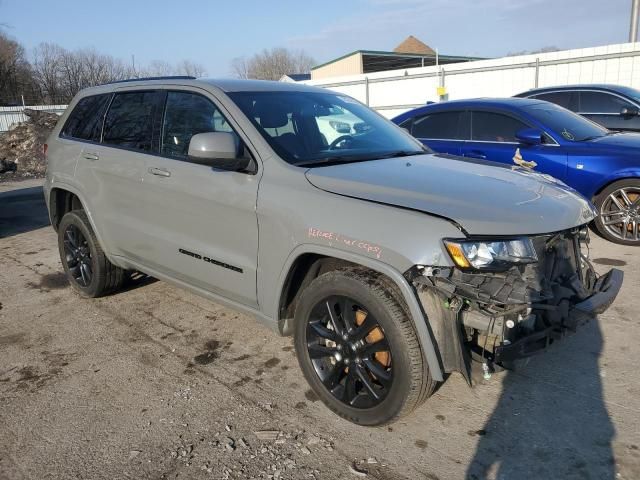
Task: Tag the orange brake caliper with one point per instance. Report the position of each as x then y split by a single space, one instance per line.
384 358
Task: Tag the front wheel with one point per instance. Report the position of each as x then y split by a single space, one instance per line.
358 349
619 212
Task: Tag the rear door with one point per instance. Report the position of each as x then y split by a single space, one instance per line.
443 132
111 171
201 222
606 108
493 138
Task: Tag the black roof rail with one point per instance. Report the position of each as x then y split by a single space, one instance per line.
167 77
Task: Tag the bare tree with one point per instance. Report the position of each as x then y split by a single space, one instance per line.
240 67
272 64
15 71
62 73
157 68
187 67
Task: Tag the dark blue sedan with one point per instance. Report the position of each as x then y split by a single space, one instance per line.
602 165
615 107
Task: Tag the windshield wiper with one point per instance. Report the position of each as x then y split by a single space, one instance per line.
403 153
334 160
338 159
592 137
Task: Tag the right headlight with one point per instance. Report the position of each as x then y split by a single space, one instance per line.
491 254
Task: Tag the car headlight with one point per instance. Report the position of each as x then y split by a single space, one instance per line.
491 254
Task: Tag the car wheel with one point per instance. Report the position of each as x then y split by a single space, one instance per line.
358 349
619 212
89 271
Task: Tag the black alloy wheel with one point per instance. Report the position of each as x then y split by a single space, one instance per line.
349 352
78 256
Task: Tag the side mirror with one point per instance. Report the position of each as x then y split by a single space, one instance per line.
629 111
529 136
218 150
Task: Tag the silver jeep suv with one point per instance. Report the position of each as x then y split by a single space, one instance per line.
391 266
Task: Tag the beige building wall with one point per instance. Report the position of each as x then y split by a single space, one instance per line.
351 65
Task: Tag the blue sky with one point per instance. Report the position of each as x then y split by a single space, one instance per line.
212 33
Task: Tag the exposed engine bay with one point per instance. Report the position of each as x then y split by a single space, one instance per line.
496 318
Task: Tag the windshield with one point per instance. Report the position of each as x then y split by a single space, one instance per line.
565 123
629 92
316 128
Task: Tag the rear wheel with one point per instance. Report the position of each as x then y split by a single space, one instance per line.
619 212
89 271
358 349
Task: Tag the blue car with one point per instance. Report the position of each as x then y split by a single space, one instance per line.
602 165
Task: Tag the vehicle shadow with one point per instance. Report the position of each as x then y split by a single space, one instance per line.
22 210
551 420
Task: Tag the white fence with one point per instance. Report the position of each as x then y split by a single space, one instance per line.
394 92
11 115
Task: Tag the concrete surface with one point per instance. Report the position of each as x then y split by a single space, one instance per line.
154 382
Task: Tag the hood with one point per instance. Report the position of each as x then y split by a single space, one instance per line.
622 140
483 199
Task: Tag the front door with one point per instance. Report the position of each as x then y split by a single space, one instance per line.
493 138
606 109
202 221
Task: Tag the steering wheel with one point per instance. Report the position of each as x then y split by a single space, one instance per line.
339 140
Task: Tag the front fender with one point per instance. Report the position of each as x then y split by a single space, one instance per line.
622 174
420 323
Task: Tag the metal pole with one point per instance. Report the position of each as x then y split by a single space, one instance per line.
537 71
366 90
633 28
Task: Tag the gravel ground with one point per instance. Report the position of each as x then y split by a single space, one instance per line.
155 382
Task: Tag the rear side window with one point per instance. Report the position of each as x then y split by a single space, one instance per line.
443 126
187 114
600 102
85 121
130 120
567 100
495 127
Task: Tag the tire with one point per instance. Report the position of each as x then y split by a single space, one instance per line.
627 195
372 293
104 277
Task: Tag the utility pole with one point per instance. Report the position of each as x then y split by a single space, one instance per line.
633 28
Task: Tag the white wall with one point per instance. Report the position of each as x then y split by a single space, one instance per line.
394 92
12 115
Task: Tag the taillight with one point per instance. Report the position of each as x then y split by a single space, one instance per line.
45 147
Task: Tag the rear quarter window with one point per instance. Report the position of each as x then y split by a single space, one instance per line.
85 121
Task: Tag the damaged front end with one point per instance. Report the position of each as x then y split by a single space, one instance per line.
513 310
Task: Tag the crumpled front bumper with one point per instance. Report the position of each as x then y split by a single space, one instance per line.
501 316
605 292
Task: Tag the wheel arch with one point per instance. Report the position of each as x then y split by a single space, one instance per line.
306 262
64 198
617 177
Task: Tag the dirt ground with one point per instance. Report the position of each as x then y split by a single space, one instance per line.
155 382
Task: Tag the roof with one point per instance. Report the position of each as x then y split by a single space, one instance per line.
412 45
226 85
512 102
394 60
584 86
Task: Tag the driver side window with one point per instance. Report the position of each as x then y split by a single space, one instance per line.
495 127
187 114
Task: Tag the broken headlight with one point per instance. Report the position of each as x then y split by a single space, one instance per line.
491 254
